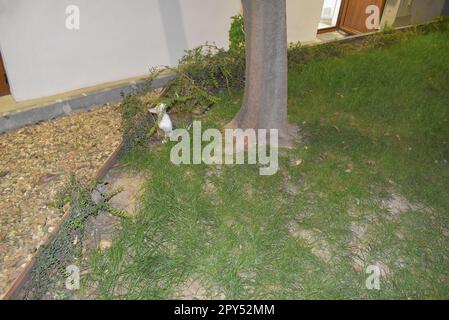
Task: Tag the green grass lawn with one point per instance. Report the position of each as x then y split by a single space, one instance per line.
368 186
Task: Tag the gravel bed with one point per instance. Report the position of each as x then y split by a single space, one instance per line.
35 163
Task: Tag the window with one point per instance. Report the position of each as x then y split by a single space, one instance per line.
330 13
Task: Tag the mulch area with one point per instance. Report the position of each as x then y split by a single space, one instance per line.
35 163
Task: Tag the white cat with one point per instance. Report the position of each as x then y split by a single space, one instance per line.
164 121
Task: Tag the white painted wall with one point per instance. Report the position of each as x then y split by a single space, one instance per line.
303 18
118 39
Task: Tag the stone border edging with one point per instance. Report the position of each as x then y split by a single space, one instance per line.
10 121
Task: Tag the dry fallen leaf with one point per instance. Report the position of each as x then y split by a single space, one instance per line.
349 167
48 177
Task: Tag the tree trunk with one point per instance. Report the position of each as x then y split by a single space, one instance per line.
265 99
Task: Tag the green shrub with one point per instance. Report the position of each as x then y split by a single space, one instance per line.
206 71
136 123
299 55
441 24
237 34
203 73
389 36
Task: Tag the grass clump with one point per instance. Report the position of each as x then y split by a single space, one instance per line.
368 187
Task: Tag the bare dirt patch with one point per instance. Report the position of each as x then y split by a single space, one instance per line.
101 228
359 246
360 250
397 204
131 186
209 186
195 289
312 238
289 187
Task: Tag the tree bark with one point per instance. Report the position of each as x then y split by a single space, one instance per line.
265 99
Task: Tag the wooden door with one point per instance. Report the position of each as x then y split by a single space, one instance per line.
354 16
4 86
